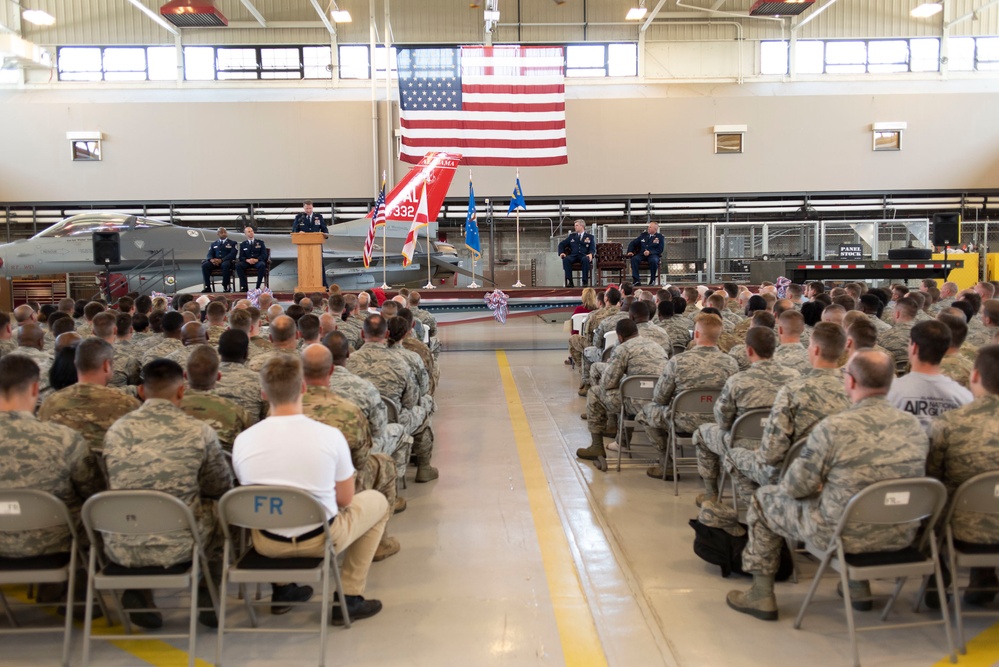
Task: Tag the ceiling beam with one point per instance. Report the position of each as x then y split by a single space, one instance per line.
322 17
156 17
256 14
652 15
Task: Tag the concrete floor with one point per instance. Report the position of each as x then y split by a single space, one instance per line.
474 585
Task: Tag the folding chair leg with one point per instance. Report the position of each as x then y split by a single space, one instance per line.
192 628
676 475
68 630
794 564
8 611
119 608
88 615
938 574
958 615
223 587
811 591
899 583
249 606
342 597
920 595
848 609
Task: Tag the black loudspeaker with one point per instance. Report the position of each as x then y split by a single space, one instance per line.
107 248
946 229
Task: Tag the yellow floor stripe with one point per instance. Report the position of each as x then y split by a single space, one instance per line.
580 642
983 650
153 651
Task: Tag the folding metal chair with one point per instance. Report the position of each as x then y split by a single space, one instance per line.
887 503
638 389
28 509
392 408
138 513
270 508
748 426
699 401
980 494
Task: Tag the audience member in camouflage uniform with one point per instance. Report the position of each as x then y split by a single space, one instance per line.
30 339
352 326
413 344
398 329
869 442
676 325
633 355
791 352
374 471
391 439
192 334
703 367
394 380
159 448
593 354
238 383
962 445
982 335
284 337
579 342
640 314
127 368
751 389
40 456
7 342
224 415
426 320
955 365
215 318
896 339
798 407
90 406
172 323
760 318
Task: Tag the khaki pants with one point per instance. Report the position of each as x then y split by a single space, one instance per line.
356 528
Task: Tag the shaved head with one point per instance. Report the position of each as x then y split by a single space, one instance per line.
317 362
30 335
193 333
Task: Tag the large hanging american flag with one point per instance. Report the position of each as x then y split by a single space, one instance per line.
496 105
377 220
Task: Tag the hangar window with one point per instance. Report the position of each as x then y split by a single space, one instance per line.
355 63
600 60
988 53
961 54
924 55
78 63
162 63
318 62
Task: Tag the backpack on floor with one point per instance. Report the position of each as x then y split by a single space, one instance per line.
718 547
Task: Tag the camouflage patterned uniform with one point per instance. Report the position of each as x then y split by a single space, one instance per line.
656 335
594 353
126 365
980 335
160 448
677 329
7 346
182 355
390 439
257 362
242 386
635 356
962 445
741 357
793 355
749 390
896 341
426 356
701 367
259 345
374 471
224 415
85 329
416 366
45 457
428 320
579 342
88 409
351 328
879 324
798 407
845 453
958 368
215 332
161 349
946 302
144 342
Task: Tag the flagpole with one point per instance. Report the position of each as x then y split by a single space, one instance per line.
385 284
430 282
473 284
471 206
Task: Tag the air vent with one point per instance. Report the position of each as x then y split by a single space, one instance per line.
193 14
772 8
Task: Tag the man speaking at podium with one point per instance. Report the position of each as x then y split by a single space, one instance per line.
579 247
648 247
308 221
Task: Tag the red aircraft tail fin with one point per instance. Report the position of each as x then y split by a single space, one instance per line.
436 170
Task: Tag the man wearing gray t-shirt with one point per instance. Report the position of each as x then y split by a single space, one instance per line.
925 392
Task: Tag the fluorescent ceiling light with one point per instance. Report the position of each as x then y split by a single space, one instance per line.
926 10
340 16
491 15
38 17
636 13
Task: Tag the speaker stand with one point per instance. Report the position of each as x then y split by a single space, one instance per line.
107 281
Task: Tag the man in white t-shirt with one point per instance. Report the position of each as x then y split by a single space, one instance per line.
925 392
289 449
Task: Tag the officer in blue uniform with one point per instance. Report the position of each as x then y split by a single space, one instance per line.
579 247
221 253
648 247
252 255
308 221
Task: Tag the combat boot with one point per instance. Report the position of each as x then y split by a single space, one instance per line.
710 493
981 577
656 472
759 601
426 473
860 591
583 388
596 448
389 546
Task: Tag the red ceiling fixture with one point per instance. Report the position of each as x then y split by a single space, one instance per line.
193 14
779 7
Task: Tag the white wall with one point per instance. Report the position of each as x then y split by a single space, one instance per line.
292 143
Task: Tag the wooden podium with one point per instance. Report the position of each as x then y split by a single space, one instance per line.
310 261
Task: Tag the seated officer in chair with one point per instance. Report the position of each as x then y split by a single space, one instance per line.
579 247
222 253
252 255
648 247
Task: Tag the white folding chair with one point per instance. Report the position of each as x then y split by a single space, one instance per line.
637 389
888 503
392 410
748 426
270 508
142 513
980 495
700 401
28 509
578 320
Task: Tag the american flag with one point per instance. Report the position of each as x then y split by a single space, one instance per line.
496 105
377 220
